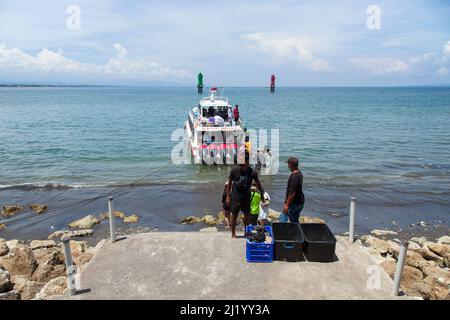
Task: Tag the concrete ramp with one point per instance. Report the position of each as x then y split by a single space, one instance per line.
197 265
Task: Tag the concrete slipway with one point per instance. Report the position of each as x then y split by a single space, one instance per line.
200 265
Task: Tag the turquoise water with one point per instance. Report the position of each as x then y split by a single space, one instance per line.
388 146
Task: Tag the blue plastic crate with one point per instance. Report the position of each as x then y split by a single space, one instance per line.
259 252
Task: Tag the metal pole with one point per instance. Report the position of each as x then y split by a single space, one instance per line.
351 227
70 269
399 269
112 223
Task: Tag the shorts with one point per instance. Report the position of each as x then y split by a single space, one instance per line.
242 204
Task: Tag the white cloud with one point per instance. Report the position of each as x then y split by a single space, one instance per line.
443 72
381 65
49 61
447 49
287 47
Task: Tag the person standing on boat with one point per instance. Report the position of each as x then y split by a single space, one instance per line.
295 199
230 116
238 192
236 114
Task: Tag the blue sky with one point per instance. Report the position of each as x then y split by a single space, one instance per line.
234 43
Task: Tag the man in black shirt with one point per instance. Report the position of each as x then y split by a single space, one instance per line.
238 192
295 199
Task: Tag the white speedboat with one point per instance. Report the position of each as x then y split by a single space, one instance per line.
211 132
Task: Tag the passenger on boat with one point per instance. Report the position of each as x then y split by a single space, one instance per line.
236 113
230 116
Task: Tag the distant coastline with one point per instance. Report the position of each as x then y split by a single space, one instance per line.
19 85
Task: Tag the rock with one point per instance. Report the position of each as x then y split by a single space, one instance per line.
19 261
27 288
79 246
209 229
4 249
274 215
440 290
42 254
221 217
380 233
446 259
37 244
81 258
38 208
444 240
2 226
190 220
413 245
306 219
410 276
419 240
53 266
13 243
5 281
85 223
70 234
437 272
131 219
429 255
414 259
11 295
383 246
54 287
421 289
9 211
439 249
209 220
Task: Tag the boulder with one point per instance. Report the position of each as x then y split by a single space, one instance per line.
440 290
38 208
209 229
410 276
53 266
131 219
429 255
383 246
4 249
27 288
64 234
221 217
436 272
415 260
81 258
439 249
419 240
84 223
19 261
209 220
54 287
306 219
5 281
446 260
190 220
381 233
413 245
78 246
37 244
444 240
13 243
9 211
42 254
2 226
11 295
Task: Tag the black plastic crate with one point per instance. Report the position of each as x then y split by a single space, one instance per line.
320 243
288 242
